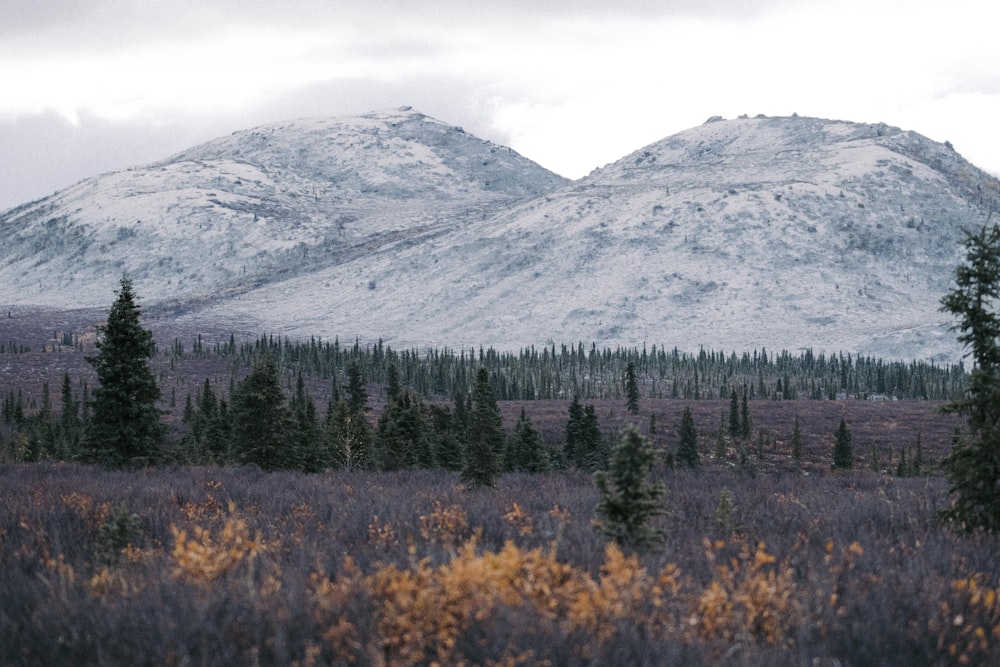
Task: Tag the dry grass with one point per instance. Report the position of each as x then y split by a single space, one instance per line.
233 566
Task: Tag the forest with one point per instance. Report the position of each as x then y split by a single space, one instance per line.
47 385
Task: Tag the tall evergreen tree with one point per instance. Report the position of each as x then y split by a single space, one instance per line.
735 430
687 451
628 500
262 425
631 389
307 435
124 427
592 454
796 441
525 449
392 389
403 435
843 450
349 438
973 467
573 446
357 395
69 420
485 437
745 417
449 435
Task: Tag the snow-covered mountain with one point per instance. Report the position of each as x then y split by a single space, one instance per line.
244 210
782 233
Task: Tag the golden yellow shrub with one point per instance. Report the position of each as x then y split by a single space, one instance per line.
204 558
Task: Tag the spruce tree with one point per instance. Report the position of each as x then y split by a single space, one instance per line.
592 454
485 438
573 447
687 451
734 416
843 450
263 430
628 500
448 435
349 438
403 438
392 389
124 426
357 395
69 420
973 467
745 425
796 441
631 389
525 449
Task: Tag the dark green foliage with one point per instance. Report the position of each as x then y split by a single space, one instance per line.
594 454
551 373
628 499
843 449
263 430
124 428
308 436
973 468
119 531
357 395
584 446
403 434
902 469
745 418
573 446
525 449
350 441
734 416
70 426
209 419
687 450
631 389
797 441
450 436
392 389
485 439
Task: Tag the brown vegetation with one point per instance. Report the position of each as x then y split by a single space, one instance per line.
235 566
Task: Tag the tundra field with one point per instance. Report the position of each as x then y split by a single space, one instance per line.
221 566
766 559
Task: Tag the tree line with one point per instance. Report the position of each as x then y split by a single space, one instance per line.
595 374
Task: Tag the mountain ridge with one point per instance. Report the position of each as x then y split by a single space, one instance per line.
753 232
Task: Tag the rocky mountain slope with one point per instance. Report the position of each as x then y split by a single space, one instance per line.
782 233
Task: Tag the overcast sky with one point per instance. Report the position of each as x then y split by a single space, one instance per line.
90 86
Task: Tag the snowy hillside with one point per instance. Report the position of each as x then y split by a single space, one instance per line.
783 233
243 210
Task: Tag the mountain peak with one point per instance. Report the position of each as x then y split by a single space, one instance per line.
788 232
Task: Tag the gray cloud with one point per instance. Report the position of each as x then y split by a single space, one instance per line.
44 153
